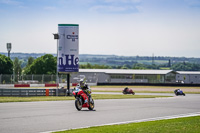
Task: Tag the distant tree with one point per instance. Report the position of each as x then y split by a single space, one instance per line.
95 66
125 67
17 66
24 62
186 67
139 66
29 63
43 65
6 65
88 66
82 66
153 66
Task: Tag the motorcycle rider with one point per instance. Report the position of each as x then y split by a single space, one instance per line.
125 89
84 86
179 91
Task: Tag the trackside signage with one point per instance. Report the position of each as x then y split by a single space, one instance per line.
68 48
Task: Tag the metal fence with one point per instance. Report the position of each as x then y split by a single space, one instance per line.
34 92
43 79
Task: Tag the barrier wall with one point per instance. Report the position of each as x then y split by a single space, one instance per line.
21 85
51 85
33 92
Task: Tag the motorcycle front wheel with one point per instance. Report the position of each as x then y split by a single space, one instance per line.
91 105
78 104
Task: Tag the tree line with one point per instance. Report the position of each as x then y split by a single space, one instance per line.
46 64
42 65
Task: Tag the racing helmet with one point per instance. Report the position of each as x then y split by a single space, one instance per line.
82 82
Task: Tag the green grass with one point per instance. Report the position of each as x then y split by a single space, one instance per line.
132 86
62 98
108 96
32 99
165 92
134 91
147 91
180 125
165 68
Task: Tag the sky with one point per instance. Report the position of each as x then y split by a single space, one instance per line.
111 27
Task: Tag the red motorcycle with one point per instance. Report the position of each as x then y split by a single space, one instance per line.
82 100
128 91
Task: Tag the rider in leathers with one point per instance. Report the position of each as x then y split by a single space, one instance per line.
85 87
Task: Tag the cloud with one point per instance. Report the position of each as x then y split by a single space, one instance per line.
103 6
193 3
49 8
122 1
116 6
114 9
10 2
13 3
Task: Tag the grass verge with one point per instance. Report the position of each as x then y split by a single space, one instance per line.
111 96
179 125
123 86
147 91
32 99
62 98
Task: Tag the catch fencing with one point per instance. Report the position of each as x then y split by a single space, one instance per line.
44 79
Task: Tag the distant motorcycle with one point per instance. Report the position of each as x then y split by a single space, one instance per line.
179 92
128 91
82 100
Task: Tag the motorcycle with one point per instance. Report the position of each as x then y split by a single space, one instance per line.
179 92
82 100
128 91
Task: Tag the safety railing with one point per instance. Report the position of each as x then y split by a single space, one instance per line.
34 92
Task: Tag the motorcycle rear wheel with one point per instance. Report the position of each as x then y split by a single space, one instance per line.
78 104
91 105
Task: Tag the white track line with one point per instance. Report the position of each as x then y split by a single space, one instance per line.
136 121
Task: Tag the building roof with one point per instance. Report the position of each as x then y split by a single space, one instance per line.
126 71
188 72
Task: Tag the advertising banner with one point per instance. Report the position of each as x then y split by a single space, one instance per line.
68 48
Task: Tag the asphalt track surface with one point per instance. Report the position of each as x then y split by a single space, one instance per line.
33 117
